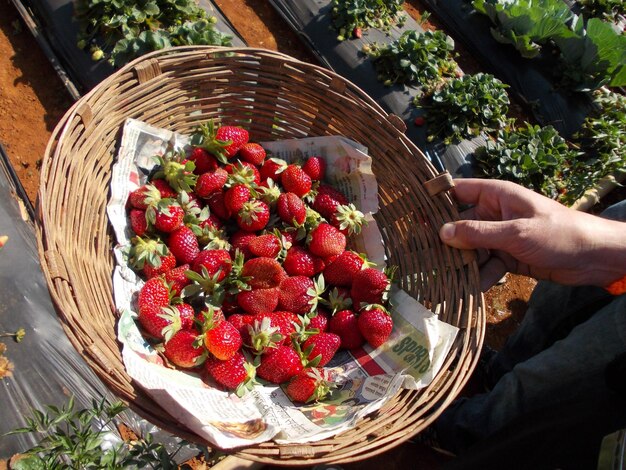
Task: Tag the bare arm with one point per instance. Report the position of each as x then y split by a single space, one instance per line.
529 234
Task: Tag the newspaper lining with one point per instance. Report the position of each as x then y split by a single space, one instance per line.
367 378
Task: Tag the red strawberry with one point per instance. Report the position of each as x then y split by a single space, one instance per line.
204 161
319 349
295 180
177 279
138 222
253 216
184 245
357 32
209 183
279 365
167 217
341 270
167 262
144 197
240 240
272 168
419 121
326 241
320 320
369 286
296 294
291 209
154 312
217 206
222 340
312 384
301 262
215 261
187 315
327 200
252 153
375 324
263 273
235 197
210 316
257 301
268 246
165 190
345 325
237 136
243 173
154 294
348 219
185 350
284 321
264 335
241 321
315 167
235 373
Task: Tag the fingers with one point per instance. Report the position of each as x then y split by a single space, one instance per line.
470 234
491 272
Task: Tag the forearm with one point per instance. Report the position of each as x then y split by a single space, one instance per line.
605 252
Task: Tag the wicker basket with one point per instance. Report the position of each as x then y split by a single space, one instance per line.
180 88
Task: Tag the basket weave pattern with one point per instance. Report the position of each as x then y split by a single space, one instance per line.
274 97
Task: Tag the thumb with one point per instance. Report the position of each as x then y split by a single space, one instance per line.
471 234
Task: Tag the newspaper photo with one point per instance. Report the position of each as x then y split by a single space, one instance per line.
367 378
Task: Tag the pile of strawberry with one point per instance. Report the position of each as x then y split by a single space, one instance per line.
246 268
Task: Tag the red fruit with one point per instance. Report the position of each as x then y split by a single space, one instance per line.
315 167
357 32
154 312
168 262
264 335
184 349
326 241
295 180
327 200
268 246
279 365
419 121
209 183
345 325
138 222
232 373
369 286
244 173
223 340
312 384
272 168
177 279
341 270
301 262
375 324
184 245
144 197
187 315
169 218
165 190
252 153
153 295
291 209
321 348
236 197
284 321
210 316
320 320
215 261
257 301
348 219
253 216
237 136
241 322
263 273
241 240
204 161
217 206
294 294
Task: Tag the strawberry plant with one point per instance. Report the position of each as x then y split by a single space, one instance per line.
604 9
419 59
533 156
122 30
466 106
351 17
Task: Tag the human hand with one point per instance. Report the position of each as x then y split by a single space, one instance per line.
517 230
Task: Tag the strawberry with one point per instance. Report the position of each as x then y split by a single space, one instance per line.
299 294
154 295
319 349
279 365
235 197
252 153
291 209
241 321
167 262
348 219
253 216
187 315
211 182
185 350
217 206
218 263
272 169
177 279
234 138
167 216
357 32
327 200
338 299
419 121
295 180
241 240
345 325
222 340
285 321
184 245
268 246
176 170
257 301
242 172
315 167
263 273
312 384
263 335
326 241
375 324
301 262
204 161
210 314
235 373
138 222
319 321
156 316
341 270
147 252
369 286
144 197
165 190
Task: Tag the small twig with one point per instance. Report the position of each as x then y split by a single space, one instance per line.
17 336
